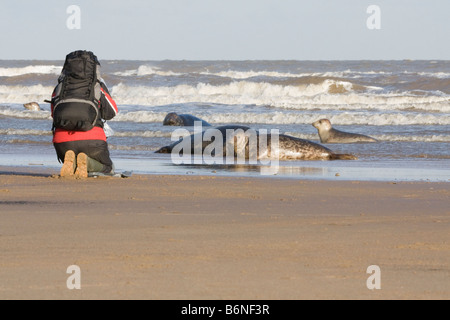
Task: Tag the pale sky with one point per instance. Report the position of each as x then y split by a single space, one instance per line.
226 29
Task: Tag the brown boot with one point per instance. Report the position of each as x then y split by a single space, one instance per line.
82 166
68 167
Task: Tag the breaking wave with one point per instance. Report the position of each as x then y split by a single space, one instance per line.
283 118
24 114
352 117
24 132
329 94
143 134
145 71
24 94
38 69
242 92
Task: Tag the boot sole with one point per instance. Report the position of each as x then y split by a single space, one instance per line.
82 171
67 169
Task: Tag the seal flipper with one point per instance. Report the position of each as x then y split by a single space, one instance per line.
335 156
167 149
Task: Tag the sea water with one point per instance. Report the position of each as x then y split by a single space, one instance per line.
403 104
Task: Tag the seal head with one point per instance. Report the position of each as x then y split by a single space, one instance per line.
182 120
32 106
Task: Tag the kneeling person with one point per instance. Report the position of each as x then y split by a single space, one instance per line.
80 103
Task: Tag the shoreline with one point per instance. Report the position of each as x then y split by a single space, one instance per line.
205 237
382 171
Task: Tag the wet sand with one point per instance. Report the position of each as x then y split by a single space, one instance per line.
198 237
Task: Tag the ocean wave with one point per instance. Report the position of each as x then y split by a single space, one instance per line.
133 148
285 117
241 75
143 134
289 118
24 94
346 118
413 138
329 94
25 141
438 75
24 114
145 70
140 116
37 69
348 74
242 92
323 94
385 137
24 132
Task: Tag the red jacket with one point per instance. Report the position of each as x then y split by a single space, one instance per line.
108 110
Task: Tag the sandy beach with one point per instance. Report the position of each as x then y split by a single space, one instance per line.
198 237
357 208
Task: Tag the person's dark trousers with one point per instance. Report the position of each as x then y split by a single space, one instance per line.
94 149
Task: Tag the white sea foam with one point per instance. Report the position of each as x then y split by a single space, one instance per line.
24 132
140 116
241 75
302 97
345 117
242 92
288 118
307 136
328 95
24 94
349 74
413 138
145 70
143 134
133 147
37 69
331 74
24 114
384 137
438 75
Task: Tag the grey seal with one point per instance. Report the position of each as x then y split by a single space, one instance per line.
289 148
182 120
32 106
329 135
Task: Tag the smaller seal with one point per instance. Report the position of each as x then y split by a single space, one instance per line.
183 120
32 106
329 135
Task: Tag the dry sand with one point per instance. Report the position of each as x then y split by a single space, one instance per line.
186 237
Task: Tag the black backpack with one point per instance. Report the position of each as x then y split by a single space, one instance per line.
77 95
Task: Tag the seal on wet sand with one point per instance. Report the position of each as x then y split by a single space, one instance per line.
329 135
246 141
